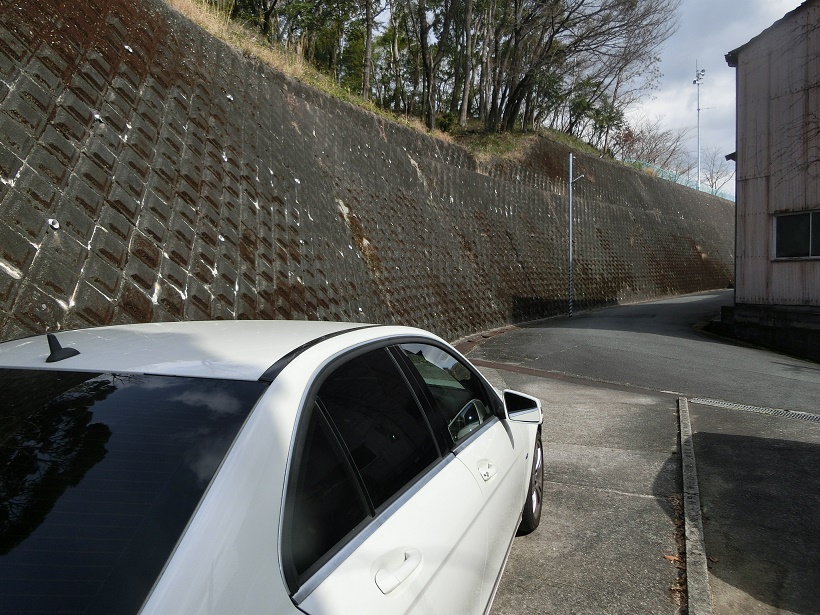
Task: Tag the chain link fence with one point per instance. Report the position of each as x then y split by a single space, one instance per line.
675 177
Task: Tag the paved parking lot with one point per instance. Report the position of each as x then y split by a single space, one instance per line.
612 483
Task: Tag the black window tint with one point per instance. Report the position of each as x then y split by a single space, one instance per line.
380 422
324 503
456 391
99 475
815 233
793 235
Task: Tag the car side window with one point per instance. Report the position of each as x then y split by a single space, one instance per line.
456 391
364 440
380 422
324 502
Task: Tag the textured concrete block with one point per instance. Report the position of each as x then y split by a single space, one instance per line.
170 301
128 178
97 70
141 275
102 275
124 202
64 149
115 112
83 195
51 168
10 163
92 172
93 308
111 248
15 135
15 249
77 108
146 250
175 274
143 137
49 69
132 305
53 277
36 188
27 114
13 51
9 287
75 221
36 311
35 94
88 86
158 183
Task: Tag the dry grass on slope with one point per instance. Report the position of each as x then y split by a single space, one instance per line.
216 21
214 18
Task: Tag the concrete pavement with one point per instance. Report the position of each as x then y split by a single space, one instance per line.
611 537
607 541
760 498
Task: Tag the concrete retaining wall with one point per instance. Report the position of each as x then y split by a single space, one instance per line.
150 172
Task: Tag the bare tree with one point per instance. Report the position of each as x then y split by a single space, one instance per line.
602 44
717 171
645 140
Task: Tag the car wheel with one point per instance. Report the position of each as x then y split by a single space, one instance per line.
531 516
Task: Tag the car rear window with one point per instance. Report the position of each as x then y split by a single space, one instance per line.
99 475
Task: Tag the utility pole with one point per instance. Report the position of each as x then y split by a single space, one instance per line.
698 80
571 182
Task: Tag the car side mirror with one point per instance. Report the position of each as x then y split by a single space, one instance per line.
522 408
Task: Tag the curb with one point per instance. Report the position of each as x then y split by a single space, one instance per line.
699 593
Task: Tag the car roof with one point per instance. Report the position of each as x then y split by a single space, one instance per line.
229 349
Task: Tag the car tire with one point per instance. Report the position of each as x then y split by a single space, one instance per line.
531 515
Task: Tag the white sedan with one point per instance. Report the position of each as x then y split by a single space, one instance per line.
258 467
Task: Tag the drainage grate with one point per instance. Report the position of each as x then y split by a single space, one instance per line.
791 414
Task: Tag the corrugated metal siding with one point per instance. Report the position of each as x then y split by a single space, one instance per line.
812 106
797 281
753 117
778 164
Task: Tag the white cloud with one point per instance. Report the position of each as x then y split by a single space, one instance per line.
709 29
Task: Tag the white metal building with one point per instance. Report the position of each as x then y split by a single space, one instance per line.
777 266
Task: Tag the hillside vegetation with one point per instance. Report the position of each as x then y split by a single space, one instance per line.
486 75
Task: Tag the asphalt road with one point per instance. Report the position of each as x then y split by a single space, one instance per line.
609 381
659 346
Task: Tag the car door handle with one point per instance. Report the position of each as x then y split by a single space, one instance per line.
487 470
388 580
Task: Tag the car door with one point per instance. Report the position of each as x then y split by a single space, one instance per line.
493 451
378 519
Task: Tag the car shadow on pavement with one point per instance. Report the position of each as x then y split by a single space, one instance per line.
760 500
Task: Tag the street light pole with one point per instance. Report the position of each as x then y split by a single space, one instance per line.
698 80
571 182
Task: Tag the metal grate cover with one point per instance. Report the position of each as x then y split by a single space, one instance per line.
791 414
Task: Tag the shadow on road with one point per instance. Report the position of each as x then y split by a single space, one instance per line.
674 317
760 500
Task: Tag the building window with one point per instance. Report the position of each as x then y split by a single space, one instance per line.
797 235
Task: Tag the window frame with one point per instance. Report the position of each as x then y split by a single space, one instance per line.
292 577
495 405
813 218
328 562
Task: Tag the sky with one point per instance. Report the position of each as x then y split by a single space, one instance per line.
708 30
